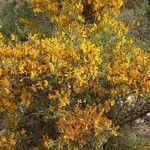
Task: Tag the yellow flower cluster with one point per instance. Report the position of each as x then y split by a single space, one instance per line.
47 142
79 125
65 12
63 80
129 68
75 66
7 142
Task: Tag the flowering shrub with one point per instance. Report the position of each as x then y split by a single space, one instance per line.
56 93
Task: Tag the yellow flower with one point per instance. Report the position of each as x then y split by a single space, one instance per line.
51 67
25 98
3 138
1 35
13 37
12 142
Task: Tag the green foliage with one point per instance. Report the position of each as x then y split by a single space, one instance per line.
11 11
10 14
138 11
